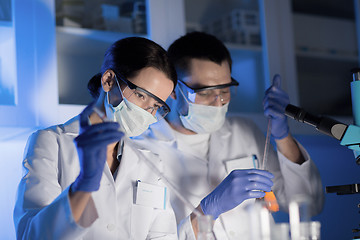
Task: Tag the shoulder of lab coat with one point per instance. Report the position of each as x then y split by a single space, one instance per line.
42 209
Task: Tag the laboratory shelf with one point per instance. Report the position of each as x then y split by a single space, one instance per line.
87 40
328 55
235 46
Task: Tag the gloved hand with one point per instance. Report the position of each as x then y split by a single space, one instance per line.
238 186
91 145
275 102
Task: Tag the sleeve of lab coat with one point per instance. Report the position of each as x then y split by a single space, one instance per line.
302 179
42 209
291 179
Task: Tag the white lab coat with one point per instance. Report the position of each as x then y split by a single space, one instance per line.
237 140
51 164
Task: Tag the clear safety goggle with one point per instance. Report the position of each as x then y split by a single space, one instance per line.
209 94
144 99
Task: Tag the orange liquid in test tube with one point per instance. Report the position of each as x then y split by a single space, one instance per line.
271 202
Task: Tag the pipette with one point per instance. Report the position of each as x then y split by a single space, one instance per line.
269 197
267 143
156 171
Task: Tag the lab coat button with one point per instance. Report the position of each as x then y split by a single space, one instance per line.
111 227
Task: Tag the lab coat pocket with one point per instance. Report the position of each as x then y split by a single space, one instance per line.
150 195
141 218
241 163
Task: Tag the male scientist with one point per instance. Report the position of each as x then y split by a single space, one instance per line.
215 160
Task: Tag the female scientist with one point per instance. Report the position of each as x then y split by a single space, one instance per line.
101 187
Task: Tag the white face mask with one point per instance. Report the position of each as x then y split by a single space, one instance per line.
203 118
133 119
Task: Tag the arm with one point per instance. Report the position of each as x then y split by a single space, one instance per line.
43 209
289 148
91 145
298 174
275 102
78 202
40 196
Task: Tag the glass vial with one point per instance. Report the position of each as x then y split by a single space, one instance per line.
301 226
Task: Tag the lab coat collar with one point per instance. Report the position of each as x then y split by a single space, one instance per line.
223 133
71 127
128 163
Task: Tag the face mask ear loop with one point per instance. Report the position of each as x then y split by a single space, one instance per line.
186 100
122 94
117 83
182 93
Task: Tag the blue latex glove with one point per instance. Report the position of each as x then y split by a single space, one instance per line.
91 145
238 186
275 102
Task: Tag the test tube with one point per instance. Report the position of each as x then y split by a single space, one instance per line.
280 231
299 216
260 221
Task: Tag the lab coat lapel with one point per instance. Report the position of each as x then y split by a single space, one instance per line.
128 163
142 216
218 152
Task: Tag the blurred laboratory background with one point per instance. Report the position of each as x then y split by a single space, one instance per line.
49 49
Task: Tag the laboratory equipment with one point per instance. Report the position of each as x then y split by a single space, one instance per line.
280 231
260 221
347 134
299 217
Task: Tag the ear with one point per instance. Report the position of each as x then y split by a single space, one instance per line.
108 80
173 95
